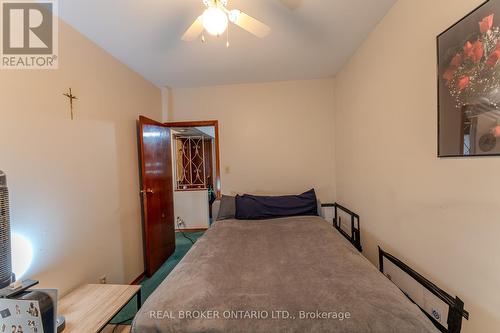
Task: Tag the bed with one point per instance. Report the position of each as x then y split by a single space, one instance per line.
292 274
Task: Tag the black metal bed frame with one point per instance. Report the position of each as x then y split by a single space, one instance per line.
355 236
456 305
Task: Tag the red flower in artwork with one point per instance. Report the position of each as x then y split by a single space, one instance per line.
493 58
486 24
472 71
457 60
463 82
448 75
468 50
477 51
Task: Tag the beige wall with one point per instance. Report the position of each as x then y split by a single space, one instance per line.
74 184
440 215
192 208
274 137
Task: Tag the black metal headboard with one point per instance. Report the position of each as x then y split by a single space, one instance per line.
456 305
355 236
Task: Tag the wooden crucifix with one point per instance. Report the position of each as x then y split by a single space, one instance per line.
71 98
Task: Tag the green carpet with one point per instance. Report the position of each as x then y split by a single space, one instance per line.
182 246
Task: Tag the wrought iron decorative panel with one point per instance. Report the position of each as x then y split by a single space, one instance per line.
190 170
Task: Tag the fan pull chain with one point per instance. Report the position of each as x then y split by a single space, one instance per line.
227 41
203 40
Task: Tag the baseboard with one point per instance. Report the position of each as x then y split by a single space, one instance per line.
139 279
191 230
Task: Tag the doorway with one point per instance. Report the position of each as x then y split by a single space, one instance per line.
196 172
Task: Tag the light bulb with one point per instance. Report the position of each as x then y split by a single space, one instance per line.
215 21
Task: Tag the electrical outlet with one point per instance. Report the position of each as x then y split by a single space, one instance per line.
180 222
436 313
435 307
103 279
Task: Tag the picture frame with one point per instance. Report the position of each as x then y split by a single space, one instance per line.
468 57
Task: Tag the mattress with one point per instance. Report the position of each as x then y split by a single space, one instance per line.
294 274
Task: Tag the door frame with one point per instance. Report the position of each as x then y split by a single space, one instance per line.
204 123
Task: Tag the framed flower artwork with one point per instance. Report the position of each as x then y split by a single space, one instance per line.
469 84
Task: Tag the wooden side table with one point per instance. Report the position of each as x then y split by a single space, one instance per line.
89 308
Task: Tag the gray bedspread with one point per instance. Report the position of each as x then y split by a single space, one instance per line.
285 275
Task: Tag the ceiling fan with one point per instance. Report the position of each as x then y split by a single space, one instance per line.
216 18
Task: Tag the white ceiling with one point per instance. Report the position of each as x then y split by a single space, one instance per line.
312 41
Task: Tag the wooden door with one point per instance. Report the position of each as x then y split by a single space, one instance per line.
157 196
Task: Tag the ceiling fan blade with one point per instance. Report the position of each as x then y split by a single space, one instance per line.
250 24
194 30
292 4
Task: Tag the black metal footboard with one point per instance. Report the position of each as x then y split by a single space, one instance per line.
355 236
455 305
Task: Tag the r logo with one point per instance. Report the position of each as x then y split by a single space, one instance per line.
27 28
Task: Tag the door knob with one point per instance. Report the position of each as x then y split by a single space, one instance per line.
147 191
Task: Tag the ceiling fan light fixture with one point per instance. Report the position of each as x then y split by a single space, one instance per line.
215 21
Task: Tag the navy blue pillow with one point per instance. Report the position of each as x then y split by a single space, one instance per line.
253 207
